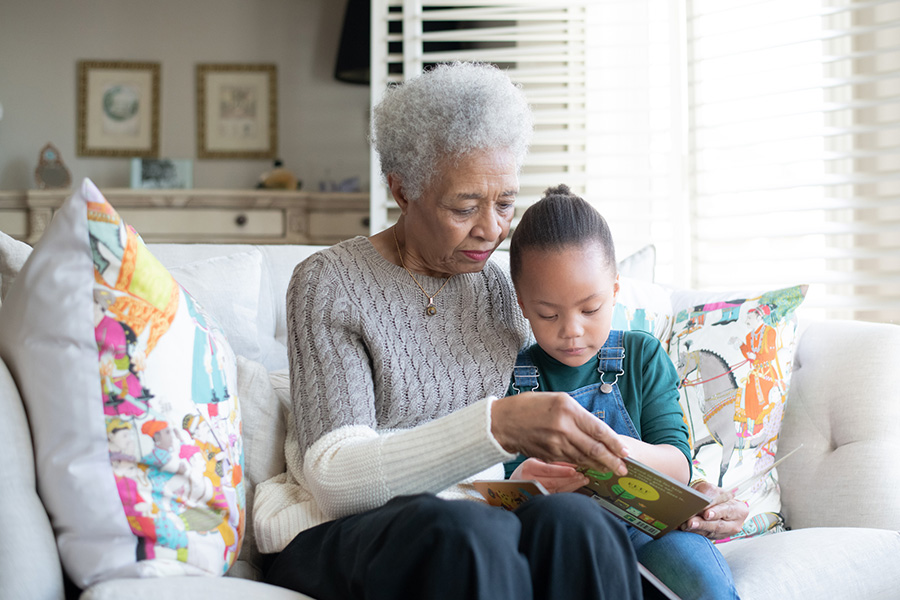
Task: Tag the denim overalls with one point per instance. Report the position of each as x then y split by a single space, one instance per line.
688 563
603 400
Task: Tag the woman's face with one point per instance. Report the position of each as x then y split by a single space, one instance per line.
463 216
568 296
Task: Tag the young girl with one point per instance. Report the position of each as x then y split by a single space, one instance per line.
563 266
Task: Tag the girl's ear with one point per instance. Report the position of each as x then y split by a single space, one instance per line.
616 288
397 192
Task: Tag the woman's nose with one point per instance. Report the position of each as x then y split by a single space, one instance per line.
488 227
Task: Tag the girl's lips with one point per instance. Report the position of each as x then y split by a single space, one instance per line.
573 351
477 256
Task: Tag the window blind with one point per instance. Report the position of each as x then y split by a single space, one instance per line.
598 75
540 44
794 136
756 143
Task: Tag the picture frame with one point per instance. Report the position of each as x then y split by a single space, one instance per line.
118 108
165 173
237 111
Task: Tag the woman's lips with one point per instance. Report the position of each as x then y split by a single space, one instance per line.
478 256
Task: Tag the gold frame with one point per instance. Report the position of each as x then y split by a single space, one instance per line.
253 135
101 132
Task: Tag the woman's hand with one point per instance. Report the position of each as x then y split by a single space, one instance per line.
552 426
723 519
556 477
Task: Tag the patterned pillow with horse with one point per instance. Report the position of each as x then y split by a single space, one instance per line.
734 355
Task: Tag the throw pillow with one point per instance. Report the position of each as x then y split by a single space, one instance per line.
643 306
130 388
264 430
734 355
640 264
228 288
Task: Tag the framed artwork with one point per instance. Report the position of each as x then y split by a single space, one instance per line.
118 108
164 173
237 111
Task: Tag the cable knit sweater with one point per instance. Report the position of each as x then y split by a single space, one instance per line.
386 401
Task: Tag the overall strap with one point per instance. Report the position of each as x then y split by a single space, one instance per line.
525 374
611 357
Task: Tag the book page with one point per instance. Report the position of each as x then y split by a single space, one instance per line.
645 498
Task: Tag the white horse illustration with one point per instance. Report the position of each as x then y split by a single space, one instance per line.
721 395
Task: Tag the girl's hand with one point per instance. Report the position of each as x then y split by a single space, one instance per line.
556 477
552 426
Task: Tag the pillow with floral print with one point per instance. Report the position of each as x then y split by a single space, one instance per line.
130 388
734 355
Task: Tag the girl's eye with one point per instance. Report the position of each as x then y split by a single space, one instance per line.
547 317
590 312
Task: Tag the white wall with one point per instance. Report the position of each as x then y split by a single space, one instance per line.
322 123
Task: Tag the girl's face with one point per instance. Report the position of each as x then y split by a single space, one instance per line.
568 295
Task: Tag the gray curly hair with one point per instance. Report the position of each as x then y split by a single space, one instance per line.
448 112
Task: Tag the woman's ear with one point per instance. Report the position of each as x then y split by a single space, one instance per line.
396 185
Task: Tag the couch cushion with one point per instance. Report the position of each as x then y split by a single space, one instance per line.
130 390
13 255
189 588
734 354
822 562
280 262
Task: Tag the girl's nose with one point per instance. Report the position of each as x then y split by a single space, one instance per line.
571 328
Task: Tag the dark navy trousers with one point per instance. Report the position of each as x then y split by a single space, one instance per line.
552 547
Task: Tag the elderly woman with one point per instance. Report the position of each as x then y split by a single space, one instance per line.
399 345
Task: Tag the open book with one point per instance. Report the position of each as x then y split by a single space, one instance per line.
645 498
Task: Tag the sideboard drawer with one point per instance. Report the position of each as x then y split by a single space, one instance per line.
333 226
205 223
14 223
207 215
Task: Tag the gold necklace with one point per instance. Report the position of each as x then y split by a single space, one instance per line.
430 308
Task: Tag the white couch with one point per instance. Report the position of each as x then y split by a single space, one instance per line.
841 492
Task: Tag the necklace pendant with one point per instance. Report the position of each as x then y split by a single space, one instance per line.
431 309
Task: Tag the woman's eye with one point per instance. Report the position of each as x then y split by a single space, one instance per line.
505 206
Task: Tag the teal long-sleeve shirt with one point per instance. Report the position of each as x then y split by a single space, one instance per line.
649 388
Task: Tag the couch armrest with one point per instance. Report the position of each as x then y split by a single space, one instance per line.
29 561
843 406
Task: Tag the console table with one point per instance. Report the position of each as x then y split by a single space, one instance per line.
204 215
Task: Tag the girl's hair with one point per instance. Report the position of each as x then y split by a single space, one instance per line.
445 113
558 221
